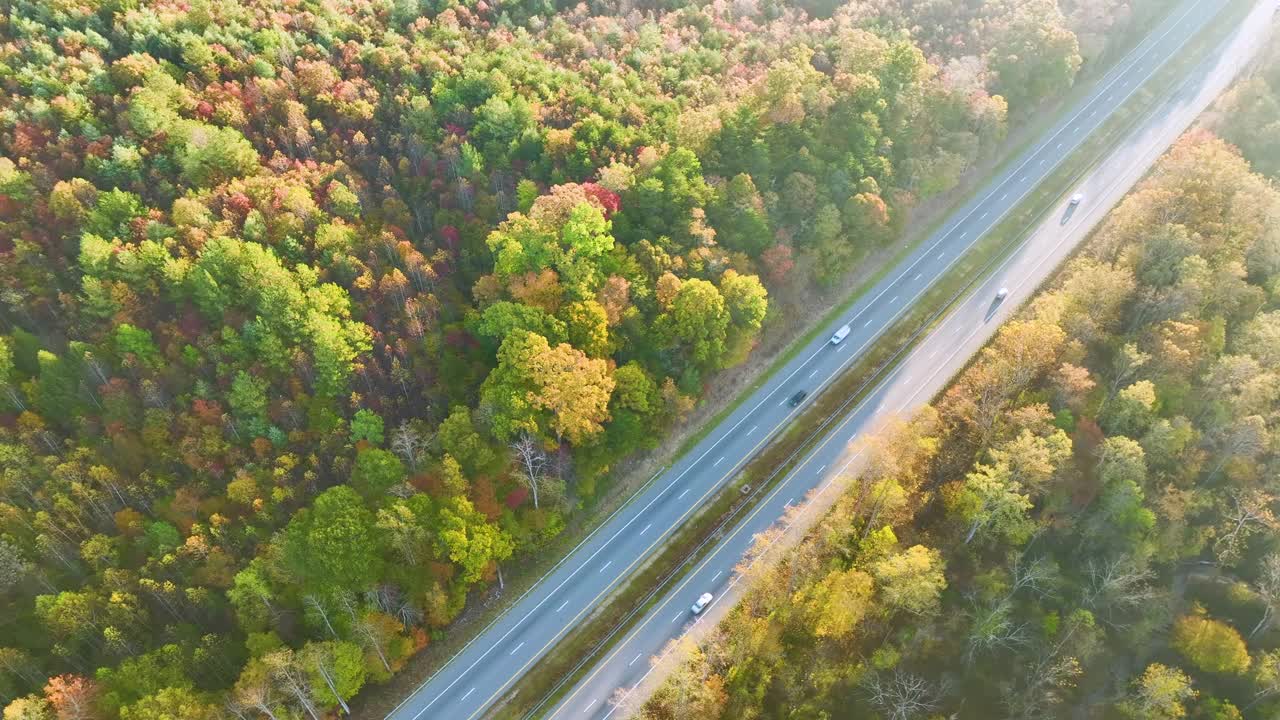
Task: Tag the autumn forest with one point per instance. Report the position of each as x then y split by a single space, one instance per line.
315 315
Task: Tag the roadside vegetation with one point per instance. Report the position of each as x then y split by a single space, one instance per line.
1083 524
314 317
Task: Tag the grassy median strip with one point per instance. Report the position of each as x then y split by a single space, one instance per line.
553 676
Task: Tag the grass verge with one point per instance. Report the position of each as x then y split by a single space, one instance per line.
559 670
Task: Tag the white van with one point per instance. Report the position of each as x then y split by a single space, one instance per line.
840 335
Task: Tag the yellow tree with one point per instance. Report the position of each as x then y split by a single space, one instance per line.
912 580
840 601
1159 694
550 391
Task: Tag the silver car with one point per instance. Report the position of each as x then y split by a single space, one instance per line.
701 604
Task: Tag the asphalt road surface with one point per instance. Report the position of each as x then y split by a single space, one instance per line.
488 666
925 372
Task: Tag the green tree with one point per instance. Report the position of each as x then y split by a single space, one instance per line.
136 342
470 542
501 319
212 155
161 538
587 327
1132 410
57 389
1033 54
459 438
252 597
112 214
143 676
991 501
407 525
367 426
68 616
562 231
697 324
336 669
248 401
662 203
333 544
376 471
171 703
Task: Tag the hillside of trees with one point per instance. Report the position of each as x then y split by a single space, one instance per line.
1084 524
313 314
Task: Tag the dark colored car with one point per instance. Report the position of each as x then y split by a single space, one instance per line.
798 398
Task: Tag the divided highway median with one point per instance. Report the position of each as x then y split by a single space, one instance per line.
557 672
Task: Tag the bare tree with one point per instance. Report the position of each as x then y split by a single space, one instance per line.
1116 586
1124 367
1245 438
14 396
1266 677
347 601
531 460
903 695
991 629
373 636
321 656
407 443
1249 512
292 679
1037 576
316 605
391 601
1041 686
238 710
253 696
1268 587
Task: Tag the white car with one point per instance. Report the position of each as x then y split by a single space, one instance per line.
703 601
1002 293
840 335
1075 199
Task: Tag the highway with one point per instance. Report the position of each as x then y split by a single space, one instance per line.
479 675
928 368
